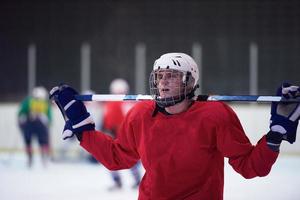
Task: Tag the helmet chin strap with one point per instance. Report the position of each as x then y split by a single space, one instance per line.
171 101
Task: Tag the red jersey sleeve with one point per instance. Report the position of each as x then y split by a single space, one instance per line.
248 160
115 154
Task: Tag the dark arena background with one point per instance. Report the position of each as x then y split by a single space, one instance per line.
224 29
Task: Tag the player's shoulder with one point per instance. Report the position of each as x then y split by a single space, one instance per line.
142 108
26 101
217 112
215 108
212 105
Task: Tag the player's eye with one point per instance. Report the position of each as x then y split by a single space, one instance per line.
159 75
176 75
164 75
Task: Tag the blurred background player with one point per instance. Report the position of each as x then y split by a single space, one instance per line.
114 113
34 118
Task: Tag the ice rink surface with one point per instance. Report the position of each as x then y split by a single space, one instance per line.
86 181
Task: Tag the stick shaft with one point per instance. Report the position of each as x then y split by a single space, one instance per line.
246 98
113 97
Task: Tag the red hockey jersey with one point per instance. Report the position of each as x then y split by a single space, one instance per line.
183 154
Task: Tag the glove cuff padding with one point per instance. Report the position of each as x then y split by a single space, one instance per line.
83 123
274 138
289 126
79 131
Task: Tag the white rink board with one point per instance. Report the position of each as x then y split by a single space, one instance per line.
253 116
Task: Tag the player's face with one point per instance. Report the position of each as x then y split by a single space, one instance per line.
169 82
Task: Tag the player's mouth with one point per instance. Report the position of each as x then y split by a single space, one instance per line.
164 92
165 89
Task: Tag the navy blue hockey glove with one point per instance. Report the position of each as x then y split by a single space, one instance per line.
284 117
74 112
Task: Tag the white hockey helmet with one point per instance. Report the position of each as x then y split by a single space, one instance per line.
179 62
119 86
40 93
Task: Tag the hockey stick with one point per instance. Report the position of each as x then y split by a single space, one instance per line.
245 98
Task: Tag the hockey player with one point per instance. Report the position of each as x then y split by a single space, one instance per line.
114 113
34 118
181 142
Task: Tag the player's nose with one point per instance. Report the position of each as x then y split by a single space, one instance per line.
164 80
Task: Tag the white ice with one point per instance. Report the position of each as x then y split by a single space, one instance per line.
85 181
